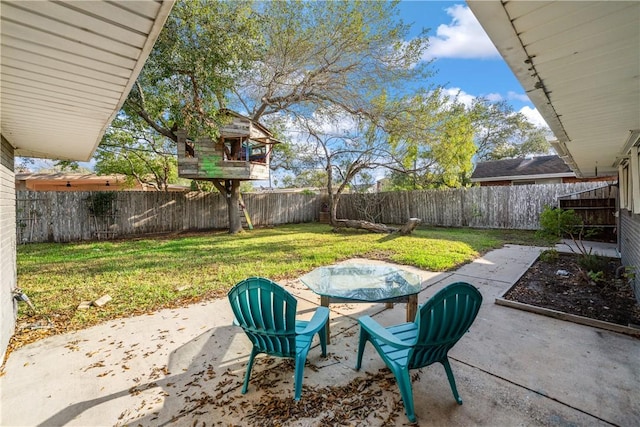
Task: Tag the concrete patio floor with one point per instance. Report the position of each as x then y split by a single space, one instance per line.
185 367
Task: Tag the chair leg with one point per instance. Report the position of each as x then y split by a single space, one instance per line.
301 359
322 334
364 336
452 381
404 383
247 375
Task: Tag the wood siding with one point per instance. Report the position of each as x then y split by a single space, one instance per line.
64 216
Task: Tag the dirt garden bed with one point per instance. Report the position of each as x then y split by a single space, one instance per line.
569 296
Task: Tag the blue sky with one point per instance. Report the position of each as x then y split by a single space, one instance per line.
464 57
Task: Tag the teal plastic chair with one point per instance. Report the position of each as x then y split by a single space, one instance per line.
438 326
267 314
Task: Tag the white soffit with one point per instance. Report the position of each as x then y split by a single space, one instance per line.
67 67
579 62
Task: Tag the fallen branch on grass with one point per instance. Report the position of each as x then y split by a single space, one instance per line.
377 228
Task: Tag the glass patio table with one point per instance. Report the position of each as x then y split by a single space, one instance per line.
357 283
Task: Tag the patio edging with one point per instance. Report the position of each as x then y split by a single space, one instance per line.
581 320
614 327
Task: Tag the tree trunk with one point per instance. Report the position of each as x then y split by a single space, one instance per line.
363 225
230 189
377 228
233 206
410 226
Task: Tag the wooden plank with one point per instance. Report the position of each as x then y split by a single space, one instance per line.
569 317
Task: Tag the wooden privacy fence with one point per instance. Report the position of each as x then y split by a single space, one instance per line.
508 207
73 216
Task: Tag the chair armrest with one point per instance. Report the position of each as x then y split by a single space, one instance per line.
316 323
378 332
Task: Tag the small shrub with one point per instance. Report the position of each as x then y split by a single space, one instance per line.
549 255
557 223
596 277
592 263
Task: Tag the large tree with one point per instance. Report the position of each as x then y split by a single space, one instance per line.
192 67
339 54
405 136
346 63
501 132
438 137
281 60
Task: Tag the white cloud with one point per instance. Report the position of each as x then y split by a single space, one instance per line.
494 97
533 116
464 37
462 96
518 96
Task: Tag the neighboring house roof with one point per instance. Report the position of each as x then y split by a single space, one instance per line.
579 64
527 168
67 68
68 181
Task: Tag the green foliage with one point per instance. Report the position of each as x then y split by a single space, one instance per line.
337 54
503 133
596 277
130 148
592 263
549 255
306 178
67 165
556 223
246 187
194 63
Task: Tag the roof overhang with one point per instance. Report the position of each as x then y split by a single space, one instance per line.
67 68
579 63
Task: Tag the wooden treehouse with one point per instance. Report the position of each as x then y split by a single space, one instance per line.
241 152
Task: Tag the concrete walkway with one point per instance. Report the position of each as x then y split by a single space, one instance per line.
185 367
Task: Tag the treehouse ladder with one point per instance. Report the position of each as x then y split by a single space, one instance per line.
243 209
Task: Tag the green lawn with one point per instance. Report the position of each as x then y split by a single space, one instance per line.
147 274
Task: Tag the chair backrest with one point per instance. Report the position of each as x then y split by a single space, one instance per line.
267 314
442 321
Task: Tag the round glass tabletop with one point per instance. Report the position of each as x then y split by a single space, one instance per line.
364 282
